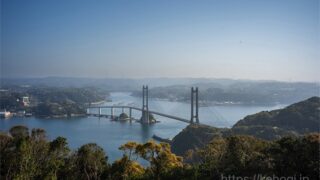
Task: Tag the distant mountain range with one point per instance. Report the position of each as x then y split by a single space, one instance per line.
119 84
211 91
238 92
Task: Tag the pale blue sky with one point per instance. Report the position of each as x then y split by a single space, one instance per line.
241 39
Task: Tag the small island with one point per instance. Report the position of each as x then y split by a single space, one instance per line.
122 117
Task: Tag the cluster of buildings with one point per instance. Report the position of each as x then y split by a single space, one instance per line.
25 101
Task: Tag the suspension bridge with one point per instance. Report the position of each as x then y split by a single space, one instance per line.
146 112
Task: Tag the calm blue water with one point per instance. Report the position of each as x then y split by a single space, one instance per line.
110 135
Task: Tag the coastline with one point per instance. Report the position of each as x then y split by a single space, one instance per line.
98 102
63 116
216 103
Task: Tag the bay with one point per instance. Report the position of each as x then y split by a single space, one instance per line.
111 134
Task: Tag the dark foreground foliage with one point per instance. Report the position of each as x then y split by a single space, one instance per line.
29 155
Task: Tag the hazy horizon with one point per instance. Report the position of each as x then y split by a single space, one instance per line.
163 78
245 40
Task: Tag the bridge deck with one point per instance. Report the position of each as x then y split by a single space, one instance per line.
152 112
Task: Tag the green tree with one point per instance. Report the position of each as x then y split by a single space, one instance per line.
290 156
91 161
38 134
127 167
160 158
40 151
19 131
244 156
311 155
235 155
22 163
56 164
5 143
211 157
18 155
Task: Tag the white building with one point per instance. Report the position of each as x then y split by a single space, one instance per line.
25 101
4 114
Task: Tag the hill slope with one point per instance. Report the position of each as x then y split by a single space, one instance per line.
302 117
194 137
294 120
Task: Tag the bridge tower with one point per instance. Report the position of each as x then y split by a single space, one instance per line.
145 105
194 106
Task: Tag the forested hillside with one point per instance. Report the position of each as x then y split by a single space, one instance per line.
29 155
50 101
301 117
239 92
295 120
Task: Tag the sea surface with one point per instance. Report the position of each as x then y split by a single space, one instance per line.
111 134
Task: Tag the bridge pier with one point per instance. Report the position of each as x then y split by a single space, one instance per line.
194 105
112 113
130 114
145 106
100 112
